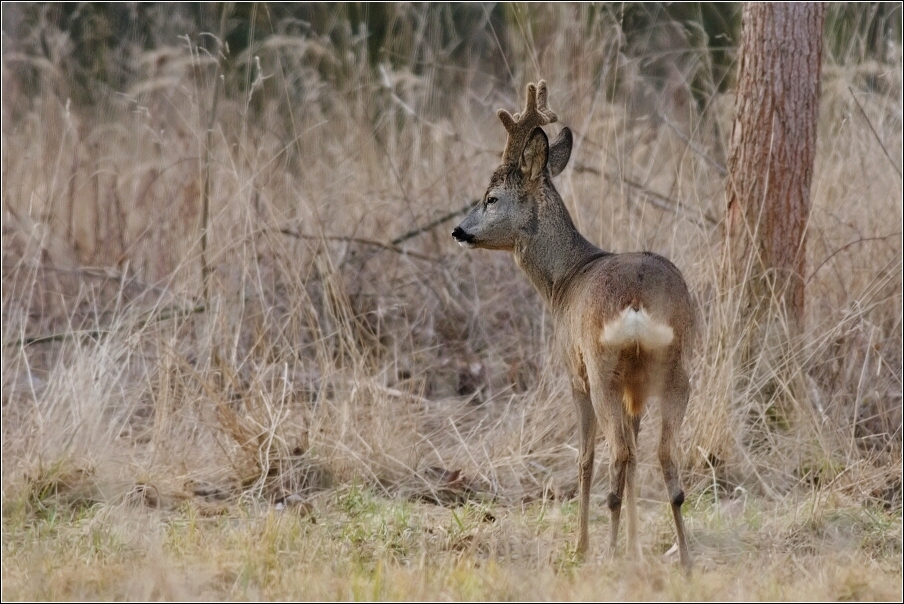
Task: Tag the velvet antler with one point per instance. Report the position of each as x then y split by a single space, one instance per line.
521 125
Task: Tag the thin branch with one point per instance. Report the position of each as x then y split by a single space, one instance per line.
205 195
371 242
163 315
721 169
431 225
876 134
94 334
100 272
666 203
845 247
392 246
657 199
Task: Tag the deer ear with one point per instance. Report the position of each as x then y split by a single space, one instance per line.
560 152
535 154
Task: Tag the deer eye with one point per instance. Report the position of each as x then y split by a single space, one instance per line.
491 200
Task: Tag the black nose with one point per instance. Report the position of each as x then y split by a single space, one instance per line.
460 235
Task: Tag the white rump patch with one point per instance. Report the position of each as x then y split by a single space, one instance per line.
636 328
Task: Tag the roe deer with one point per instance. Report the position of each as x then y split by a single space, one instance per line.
624 321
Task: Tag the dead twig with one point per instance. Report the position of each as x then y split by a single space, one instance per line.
666 203
371 242
96 334
657 199
431 225
393 245
876 134
721 169
848 245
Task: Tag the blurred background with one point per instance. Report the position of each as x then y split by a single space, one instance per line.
227 257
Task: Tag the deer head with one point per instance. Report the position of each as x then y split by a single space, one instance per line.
522 180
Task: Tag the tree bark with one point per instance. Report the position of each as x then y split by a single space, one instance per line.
770 168
773 144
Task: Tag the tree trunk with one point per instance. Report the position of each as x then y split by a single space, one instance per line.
773 144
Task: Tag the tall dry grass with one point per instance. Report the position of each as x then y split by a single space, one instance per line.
343 337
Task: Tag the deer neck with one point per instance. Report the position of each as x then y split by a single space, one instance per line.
552 251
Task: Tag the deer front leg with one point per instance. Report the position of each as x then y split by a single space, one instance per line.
587 442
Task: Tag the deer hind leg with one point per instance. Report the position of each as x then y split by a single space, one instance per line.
617 468
607 405
674 403
613 401
587 431
633 545
622 469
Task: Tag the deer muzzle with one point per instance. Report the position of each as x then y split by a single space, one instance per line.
463 238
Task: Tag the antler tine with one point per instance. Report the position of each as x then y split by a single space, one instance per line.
520 126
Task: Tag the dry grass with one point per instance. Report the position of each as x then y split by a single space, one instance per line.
290 433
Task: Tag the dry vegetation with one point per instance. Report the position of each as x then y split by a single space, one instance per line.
243 358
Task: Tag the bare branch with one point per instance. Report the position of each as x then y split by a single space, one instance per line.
876 134
720 168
